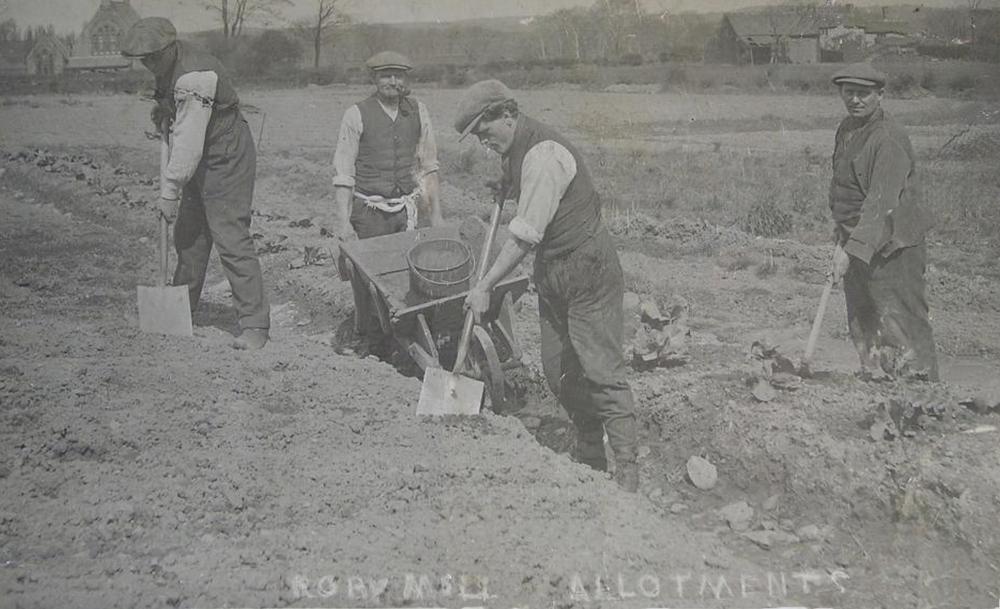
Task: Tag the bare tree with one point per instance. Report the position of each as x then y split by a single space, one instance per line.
234 14
327 16
569 23
9 31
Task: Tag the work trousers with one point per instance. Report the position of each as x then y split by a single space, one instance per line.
582 323
370 222
215 209
887 313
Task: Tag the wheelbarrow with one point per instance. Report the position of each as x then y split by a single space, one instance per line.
428 328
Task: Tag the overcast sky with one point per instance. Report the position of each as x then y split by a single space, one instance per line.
190 15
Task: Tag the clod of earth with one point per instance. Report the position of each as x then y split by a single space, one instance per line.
737 515
904 416
982 403
702 473
763 391
311 256
812 532
769 539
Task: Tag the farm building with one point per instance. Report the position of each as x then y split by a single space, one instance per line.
47 57
765 37
12 54
100 43
986 34
859 39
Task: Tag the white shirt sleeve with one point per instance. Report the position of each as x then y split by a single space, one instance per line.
194 94
546 172
427 159
348 141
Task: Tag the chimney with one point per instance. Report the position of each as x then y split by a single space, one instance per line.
885 12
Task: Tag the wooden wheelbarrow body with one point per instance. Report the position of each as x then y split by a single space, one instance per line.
428 328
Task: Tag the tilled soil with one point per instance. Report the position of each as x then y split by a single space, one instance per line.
145 471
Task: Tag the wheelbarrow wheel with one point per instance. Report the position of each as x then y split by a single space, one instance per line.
486 363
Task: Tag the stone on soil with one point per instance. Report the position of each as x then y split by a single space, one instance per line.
737 515
702 473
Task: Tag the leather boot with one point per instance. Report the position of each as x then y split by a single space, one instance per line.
627 476
589 450
251 339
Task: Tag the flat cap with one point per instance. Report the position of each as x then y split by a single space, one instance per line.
476 100
389 60
859 74
148 36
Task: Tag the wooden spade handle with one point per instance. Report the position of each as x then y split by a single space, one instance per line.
164 160
463 343
818 321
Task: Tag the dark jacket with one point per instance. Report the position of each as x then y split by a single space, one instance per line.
873 193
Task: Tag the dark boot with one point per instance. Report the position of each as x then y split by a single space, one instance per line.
627 476
589 450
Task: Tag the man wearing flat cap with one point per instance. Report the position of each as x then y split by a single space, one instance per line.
576 272
385 169
207 187
880 233
385 166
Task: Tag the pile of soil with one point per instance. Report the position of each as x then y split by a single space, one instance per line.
141 470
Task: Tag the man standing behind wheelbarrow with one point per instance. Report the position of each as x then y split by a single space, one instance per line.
385 167
212 164
880 228
576 271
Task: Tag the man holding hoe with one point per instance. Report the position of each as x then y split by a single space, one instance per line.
880 233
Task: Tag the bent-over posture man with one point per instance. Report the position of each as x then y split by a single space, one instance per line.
209 180
576 271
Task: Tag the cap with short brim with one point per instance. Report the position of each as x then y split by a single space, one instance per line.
476 100
389 60
147 36
863 74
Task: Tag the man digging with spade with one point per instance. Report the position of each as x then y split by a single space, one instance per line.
576 271
209 180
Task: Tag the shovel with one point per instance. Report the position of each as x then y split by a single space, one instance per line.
446 392
163 308
804 369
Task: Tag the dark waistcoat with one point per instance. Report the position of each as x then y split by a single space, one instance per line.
578 216
387 152
225 108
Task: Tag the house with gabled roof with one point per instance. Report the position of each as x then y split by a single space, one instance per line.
48 56
768 36
99 47
12 54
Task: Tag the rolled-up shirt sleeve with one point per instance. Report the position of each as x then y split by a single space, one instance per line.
194 94
427 156
546 172
347 147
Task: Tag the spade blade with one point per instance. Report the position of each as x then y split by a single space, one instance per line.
445 392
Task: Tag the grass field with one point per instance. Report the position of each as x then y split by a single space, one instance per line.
720 158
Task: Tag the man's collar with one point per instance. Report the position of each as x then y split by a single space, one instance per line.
518 132
875 116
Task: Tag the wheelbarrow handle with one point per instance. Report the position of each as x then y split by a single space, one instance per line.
463 343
